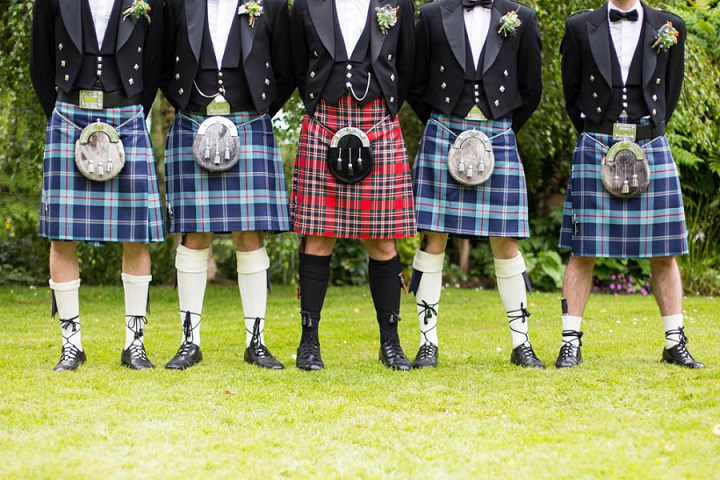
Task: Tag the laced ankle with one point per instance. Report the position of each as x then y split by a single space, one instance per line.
522 314
138 351
429 309
188 329
568 347
135 323
256 344
680 332
66 324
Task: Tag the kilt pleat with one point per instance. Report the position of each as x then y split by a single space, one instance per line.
124 209
497 208
250 197
597 224
380 206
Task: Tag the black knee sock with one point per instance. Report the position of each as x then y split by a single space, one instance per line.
314 278
385 286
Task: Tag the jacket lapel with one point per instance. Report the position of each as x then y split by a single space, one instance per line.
72 19
247 34
377 38
599 38
126 27
454 25
195 13
321 14
652 24
495 40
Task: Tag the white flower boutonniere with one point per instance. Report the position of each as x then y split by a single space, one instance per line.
387 17
138 10
667 36
253 10
509 24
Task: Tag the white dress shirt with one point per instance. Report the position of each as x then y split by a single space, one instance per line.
101 11
352 17
477 25
626 36
221 14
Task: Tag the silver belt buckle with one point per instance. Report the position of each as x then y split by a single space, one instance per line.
218 107
624 132
476 115
91 99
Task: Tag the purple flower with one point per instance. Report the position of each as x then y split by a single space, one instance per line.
615 294
629 290
612 286
614 277
643 291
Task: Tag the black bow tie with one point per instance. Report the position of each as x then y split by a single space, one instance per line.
470 4
617 15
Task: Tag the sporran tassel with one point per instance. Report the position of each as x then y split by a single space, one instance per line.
626 187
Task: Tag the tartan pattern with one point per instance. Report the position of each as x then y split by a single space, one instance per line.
249 197
124 209
597 224
497 208
381 205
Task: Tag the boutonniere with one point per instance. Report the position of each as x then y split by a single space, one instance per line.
252 9
387 17
138 10
509 24
667 36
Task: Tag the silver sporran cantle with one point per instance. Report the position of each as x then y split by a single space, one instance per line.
99 153
217 147
471 160
625 170
350 156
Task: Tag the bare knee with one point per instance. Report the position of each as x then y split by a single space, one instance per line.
320 246
581 263
197 241
63 249
435 243
248 241
504 248
662 263
131 249
381 249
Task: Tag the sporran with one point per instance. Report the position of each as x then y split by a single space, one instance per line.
216 147
350 156
99 153
625 170
471 160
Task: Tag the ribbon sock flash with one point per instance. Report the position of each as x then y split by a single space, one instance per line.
512 289
136 301
427 294
66 297
674 329
192 268
252 270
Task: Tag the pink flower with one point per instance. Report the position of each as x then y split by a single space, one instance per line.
629 290
614 277
643 291
612 286
615 294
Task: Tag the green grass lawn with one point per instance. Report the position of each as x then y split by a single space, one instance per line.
622 414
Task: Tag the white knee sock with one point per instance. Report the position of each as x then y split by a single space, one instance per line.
427 296
136 298
570 324
68 309
673 326
192 268
513 292
252 281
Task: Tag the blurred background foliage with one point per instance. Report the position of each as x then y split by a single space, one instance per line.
546 145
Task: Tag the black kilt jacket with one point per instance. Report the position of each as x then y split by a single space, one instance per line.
264 50
587 66
511 71
56 50
313 50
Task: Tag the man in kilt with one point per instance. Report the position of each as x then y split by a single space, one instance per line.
229 61
96 63
477 72
622 70
353 62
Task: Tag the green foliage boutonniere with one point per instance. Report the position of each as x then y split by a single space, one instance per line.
387 17
139 9
509 24
667 36
253 10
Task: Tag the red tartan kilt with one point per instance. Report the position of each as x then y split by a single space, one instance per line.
380 206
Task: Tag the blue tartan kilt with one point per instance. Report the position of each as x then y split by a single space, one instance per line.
124 209
249 197
597 224
497 208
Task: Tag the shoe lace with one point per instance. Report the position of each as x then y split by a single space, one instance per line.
568 348
429 309
522 314
309 348
526 350
67 323
427 350
681 350
137 348
138 351
188 329
69 352
256 344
